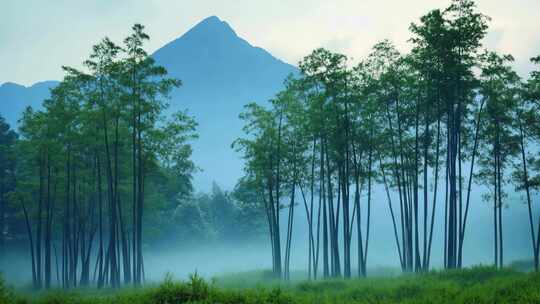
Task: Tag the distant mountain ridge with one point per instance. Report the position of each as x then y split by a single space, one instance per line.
14 98
220 73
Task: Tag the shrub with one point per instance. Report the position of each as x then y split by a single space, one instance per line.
5 294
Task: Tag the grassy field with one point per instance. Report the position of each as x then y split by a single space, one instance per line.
475 285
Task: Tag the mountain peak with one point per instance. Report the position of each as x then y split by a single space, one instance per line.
211 26
211 20
212 43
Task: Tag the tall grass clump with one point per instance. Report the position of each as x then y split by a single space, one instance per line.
6 295
170 291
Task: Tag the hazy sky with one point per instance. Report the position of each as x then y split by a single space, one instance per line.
37 36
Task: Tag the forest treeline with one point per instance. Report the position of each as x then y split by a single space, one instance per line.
103 172
216 217
427 126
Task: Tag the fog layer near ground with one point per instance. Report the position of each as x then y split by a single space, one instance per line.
180 258
212 260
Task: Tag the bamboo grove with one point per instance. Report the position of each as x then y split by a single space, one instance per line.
86 167
424 126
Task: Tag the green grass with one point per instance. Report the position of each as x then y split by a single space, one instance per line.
6 295
474 285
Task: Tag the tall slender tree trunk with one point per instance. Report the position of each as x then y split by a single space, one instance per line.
471 171
368 219
136 278
140 199
277 232
100 257
500 206
346 232
423 265
495 202
397 174
66 244
271 223
31 243
289 232
39 220
436 183
389 200
48 227
326 270
334 249
320 207
417 263
526 186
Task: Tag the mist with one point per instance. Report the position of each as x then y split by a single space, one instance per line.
180 257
